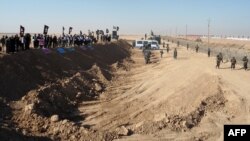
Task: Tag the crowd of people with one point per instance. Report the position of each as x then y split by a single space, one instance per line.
18 43
219 58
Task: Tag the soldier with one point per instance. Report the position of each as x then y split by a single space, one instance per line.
197 48
163 44
175 53
245 61
145 36
12 44
161 53
167 48
208 52
178 43
8 45
219 58
233 62
3 42
27 42
187 46
147 54
54 41
17 43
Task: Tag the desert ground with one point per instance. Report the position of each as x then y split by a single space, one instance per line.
109 93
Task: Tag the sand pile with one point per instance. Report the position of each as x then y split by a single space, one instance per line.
40 92
109 93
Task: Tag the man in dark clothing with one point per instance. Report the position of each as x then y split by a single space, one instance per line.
12 44
178 43
233 63
16 43
161 52
3 42
50 41
8 45
208 52
54 40
197 48
187 46
219 58
147 54
175 53
245 61
167 48
35 41
163 44
27 39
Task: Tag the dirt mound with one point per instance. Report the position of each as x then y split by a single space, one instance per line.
28 70
51 87
184 123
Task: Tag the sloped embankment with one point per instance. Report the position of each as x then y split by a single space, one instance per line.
40 92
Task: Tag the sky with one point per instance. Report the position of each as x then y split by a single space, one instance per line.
171 17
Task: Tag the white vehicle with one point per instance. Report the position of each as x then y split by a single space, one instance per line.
140 43
154 44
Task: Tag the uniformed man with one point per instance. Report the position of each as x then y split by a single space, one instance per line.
3 41
163 44
233 63
178 43
175 53
208 52
145 36
147 54
197 48
219 58
161 53
167 48
245 61
187 46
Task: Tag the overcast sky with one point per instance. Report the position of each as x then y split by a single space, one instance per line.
228 17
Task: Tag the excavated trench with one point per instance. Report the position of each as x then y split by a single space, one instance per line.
101 94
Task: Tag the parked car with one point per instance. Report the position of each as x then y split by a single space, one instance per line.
140 43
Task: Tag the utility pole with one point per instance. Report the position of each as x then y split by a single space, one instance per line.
186 31
176 31
208 31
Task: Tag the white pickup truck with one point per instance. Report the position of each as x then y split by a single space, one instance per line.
153 43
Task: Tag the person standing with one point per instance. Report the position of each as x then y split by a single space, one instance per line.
167 48
161 52
41 41
3 42
175 53
233 63
27 41
219 59
187 46
12 44
245 61
8 45
54 41
197 48
17 43
208 52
